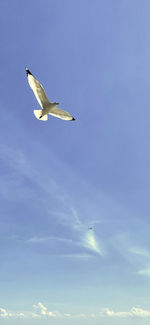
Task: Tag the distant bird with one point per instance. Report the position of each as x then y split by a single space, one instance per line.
90 228
47 106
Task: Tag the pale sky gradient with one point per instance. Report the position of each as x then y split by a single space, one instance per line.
59 178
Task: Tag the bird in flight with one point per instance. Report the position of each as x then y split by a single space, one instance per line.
47 106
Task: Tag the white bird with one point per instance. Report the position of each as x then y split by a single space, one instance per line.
47 106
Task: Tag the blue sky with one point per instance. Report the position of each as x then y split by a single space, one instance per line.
59 178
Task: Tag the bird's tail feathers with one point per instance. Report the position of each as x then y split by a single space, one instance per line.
38 113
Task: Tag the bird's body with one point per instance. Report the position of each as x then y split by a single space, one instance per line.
47 106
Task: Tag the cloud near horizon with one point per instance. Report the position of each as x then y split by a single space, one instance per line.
6 314
41 311
134 311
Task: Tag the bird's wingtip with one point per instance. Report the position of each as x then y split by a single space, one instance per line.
73 119
28 71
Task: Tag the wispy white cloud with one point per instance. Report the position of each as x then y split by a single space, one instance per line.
6 314
140 251
3 312
20 167
34 315
133 312
90 241
67 315
77 224
48 238
16 159
41 311
85 238
69 216
144 271
78 256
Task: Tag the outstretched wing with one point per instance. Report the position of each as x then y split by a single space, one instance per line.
37 89
61 114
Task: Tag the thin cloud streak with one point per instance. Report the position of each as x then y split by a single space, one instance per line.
90 242
140 251
45 239
86 239
78 256
70 218
144 272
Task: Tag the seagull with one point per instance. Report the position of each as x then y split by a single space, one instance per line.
47 106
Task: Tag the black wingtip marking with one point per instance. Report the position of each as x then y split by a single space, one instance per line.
73 119
28 71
